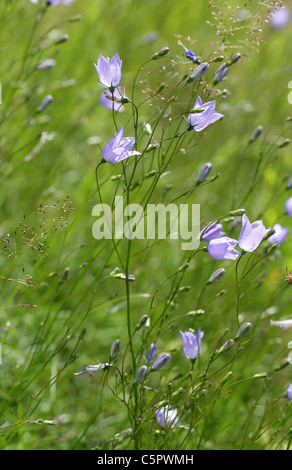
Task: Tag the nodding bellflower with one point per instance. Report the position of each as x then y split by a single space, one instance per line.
167 417
288 207
280 234
285 325
191 343
199 121
211 231
113 100
251 235
119 148
289 392
223 248
109 71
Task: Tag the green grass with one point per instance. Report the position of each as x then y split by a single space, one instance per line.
48 192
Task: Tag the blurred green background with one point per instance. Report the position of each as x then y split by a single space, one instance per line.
48 162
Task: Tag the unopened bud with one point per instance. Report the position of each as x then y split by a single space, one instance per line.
184 289
204 172
256 133
289 184
161 361
183 268
45 102
284 143
226 378
272 248
140 374
46 64
235 58
261 375
198 72
160 88
218 274
143 320
236 213
286 362
221 73
243 330
219 58
65 275
194 313
162 52
62 39
226 346
115 348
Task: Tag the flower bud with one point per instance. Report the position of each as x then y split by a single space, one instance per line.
65 275
45 102
219 58
218 274
140 374
115 348
221 73
204 172
286 362
161 361
256 133
46 64
162 52
143 320
236 213
243 330
284 143
289 184
62 39
183 268
226 346
234 59
261 375
198 72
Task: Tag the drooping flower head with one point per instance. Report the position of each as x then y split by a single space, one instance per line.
111 101
211 231
191 343
289 392
167 417
251 235
223 248
151 353
280 234
288 206
280 18
199 121
109 71
119 148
